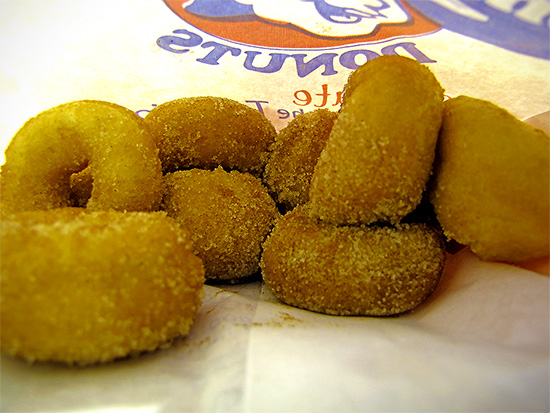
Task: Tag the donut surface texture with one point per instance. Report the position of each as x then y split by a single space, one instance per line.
351 270
380 151
294 154
82 287
227 214
490 187
207 132
61 141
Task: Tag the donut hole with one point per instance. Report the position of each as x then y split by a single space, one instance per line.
82 184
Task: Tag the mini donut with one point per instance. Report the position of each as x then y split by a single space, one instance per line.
228 215
206 132
83 287
490 188
294 154
351 270
110 139
379 154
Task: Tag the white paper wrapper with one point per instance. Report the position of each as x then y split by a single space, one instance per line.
468 349
481 342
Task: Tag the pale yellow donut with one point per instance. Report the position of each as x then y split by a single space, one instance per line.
81 286
491 181
61 141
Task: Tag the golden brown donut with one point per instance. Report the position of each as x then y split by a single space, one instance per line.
351 270
379 154
206 132
294 154
63 140
81 286
490 188
228 215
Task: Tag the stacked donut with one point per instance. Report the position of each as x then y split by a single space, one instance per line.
213 151
345 249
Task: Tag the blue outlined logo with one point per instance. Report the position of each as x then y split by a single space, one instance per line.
302 24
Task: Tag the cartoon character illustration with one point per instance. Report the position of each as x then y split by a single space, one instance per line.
522 26
333 18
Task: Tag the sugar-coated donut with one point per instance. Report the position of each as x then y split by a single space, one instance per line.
351 270
294 154
379 154
206 132
490 188
228 215
81 286
109 138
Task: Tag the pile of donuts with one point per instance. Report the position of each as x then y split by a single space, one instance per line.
111 224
